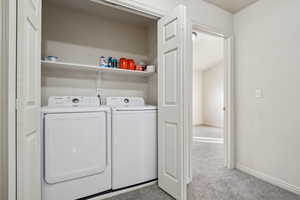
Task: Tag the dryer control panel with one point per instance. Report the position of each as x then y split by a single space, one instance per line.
125 101
70 101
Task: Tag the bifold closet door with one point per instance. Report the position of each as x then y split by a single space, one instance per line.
28 100
172 59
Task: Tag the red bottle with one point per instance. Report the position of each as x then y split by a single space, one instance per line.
123 64
131 64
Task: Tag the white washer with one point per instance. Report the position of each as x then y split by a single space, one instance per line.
134 141
76 148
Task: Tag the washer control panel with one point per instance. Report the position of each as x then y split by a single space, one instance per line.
69 101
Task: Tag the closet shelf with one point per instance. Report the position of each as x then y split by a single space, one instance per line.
76 66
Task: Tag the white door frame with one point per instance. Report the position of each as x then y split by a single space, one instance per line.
134 6
229 135
10 28
9 31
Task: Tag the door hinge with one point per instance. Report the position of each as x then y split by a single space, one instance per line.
17 104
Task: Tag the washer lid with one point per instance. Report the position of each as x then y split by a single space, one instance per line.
74 109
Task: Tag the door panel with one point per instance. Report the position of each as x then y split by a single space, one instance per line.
28 104
171 149
170 30
170 60
31 65
171 63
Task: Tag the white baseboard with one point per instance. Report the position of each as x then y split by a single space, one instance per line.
270 179
116 193
208 140
197 124
211 125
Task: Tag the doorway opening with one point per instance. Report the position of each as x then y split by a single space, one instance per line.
209 119
208 87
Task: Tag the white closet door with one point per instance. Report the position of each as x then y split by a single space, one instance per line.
28 103
172 59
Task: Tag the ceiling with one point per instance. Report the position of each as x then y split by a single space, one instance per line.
91 7
232 6
208 51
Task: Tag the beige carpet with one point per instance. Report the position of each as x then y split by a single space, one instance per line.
211 181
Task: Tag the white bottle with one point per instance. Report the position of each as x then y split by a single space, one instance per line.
102 62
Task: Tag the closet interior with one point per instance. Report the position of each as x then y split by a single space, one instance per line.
92 49
77 33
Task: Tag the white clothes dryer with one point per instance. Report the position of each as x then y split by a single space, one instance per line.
76 148
134 141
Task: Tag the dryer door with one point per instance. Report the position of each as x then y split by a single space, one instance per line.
75 145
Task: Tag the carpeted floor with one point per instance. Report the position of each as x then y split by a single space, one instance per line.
211 181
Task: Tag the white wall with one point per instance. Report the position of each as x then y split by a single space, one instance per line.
210 16
197 98
213 96
200 11
197 83
79 37
267 58
152 90
209 50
